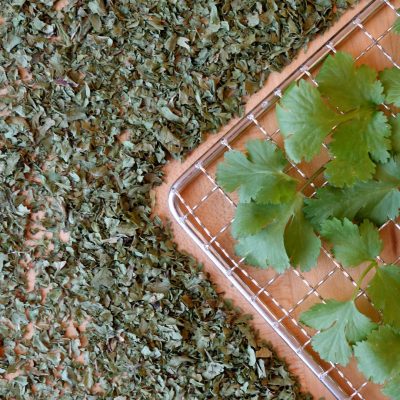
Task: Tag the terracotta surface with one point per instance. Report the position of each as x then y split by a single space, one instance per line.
174 169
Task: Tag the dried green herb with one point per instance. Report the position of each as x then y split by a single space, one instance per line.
95 300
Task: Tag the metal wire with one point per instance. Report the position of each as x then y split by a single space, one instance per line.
259 290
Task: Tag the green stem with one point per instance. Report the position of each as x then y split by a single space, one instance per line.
362 277
312 177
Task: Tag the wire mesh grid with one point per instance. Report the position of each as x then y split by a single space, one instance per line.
206 212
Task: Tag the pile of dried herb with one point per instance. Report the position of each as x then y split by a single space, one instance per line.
95 300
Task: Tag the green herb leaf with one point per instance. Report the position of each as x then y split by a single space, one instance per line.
384 290
390 171
259 176
392 388
287 238
304 120
301 243
352 244
346 86
362 132
377 201
390 79
352 145
379 356
250 218
265 249
341 324
395 125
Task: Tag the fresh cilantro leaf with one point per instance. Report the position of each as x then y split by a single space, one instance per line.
250 218
259 176
380 209
353 143
301 243
268 234
390 171
379 356
288 237
377 201
346 86
305 121
390 79
362 132
341 324
395 124
384 290
266 248
392 388
352 244
377 135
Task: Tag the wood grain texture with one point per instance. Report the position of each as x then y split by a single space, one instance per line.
288 290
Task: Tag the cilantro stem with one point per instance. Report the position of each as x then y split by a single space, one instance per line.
362 277
312 177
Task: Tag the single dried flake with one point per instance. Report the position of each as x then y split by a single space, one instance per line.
75 77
